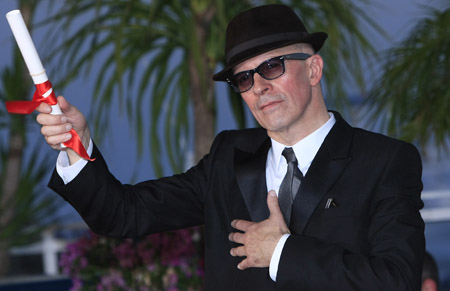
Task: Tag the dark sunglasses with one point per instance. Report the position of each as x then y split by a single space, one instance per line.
269 70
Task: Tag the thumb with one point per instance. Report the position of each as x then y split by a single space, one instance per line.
63 104
272 203
68 109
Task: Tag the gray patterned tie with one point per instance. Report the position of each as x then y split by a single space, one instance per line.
290 184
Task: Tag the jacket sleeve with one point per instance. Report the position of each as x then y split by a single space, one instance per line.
395 237
114 209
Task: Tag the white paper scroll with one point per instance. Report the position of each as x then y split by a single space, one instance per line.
29 52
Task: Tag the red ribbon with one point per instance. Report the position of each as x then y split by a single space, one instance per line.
27 107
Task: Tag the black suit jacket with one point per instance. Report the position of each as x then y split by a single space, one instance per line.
372 238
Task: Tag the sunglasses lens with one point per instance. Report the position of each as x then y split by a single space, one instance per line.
242 81
272 68
269 70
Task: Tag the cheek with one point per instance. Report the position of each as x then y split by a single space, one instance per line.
249 101
303 93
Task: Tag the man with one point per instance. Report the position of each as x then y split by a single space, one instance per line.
349 217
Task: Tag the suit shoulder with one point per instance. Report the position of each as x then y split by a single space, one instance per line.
380 142
242 136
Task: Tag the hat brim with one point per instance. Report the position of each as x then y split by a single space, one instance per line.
316 39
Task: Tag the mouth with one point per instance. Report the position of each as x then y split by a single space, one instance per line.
269 105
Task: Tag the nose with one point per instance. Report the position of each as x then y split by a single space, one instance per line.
260 85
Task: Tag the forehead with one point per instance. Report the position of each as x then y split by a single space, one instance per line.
257 60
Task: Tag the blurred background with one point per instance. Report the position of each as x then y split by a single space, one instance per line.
141 72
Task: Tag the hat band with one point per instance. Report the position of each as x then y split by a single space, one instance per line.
285 36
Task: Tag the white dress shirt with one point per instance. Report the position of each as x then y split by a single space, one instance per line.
276 168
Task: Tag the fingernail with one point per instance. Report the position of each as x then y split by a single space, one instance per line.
68 136
68 126
63 119
272 193
239 267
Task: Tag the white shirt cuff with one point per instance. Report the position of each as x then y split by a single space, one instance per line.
275 260
68 172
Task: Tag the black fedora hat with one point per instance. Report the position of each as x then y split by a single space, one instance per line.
262 29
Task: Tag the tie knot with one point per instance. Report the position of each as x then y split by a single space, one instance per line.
289 154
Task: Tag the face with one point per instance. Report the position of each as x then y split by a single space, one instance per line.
283 106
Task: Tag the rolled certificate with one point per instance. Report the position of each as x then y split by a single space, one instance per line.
29 52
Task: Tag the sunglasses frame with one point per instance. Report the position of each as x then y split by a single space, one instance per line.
293 56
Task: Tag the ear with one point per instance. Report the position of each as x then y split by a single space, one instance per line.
315 69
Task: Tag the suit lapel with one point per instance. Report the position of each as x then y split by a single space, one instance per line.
326 168
250 167
331 159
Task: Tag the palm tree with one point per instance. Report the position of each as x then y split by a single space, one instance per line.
411 96
168 50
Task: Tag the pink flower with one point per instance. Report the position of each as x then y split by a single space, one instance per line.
126 254
76 284
159 261
109 282
146 251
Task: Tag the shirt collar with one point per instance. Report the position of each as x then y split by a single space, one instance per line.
306 149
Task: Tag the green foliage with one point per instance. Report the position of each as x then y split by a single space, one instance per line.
411 97
34 205
14 88
31 207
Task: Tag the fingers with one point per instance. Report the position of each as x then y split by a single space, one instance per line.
244 264
49 119
236 237
56 134
54 127
238 252
276 216
62 102
258 239
56 141
272 203
44 108
52 130
240 224
75 118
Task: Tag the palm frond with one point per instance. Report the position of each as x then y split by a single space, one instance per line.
411 96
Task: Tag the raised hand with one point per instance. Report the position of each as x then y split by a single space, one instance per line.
259 239
55 128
